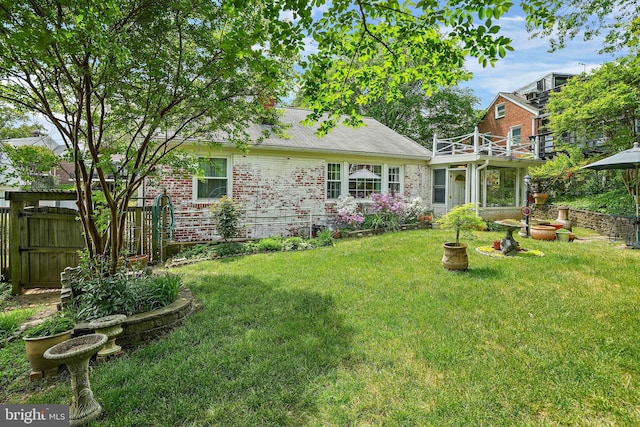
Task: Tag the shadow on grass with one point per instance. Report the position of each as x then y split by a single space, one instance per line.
252 355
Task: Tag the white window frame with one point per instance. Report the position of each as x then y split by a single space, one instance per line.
394 182
384 181
340 180
497 110
196 179
512 140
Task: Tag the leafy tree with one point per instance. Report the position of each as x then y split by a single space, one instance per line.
602 106
447 112
618 21
12 124
28 162
126 82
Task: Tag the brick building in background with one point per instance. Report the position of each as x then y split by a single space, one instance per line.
521 115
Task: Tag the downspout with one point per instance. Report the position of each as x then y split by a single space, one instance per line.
478 183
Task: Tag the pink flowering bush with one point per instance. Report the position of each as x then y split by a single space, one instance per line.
387 211
348 219
348 215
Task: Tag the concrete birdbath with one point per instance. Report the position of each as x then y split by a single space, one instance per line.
75 353
508 245
111 326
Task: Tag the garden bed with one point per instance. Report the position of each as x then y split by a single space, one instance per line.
145 327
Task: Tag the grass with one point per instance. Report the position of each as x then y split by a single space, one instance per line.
375 332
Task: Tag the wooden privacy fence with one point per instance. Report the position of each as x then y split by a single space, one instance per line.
4 244
39 242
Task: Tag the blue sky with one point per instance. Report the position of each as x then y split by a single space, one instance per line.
529 61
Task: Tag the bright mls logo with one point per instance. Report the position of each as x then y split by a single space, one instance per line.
34 415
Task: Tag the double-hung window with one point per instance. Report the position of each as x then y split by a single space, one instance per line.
515 135
215 180
393 181
334 180
500 108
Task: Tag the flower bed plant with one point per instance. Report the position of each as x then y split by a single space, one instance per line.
98 293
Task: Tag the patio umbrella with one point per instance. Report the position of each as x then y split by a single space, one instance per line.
364 174
627 159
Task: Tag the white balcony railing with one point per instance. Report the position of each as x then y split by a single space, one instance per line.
484 145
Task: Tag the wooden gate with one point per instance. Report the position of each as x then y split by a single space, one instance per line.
50 239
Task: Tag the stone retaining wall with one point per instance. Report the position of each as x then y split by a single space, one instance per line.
598 222
144 327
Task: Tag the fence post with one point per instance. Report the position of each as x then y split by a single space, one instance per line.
137 231
15 259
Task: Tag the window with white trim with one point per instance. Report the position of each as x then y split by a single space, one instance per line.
515 135
500 108
393 180
334 180
439 186
364 180
215 181
498 186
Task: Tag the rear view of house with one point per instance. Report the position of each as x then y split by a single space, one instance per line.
287 185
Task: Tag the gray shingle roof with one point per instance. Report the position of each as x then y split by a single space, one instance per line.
372 139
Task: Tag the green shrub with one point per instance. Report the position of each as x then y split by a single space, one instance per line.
228 248
157 291
294 243
325 238
206 250
226 213
270 244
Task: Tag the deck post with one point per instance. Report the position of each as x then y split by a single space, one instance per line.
435 145
476 140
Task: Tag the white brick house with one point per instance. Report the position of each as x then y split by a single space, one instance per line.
288 185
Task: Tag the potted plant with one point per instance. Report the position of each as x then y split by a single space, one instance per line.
54 330
463 217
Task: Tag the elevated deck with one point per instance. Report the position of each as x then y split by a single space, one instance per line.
477 144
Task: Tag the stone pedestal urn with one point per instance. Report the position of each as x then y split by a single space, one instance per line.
75 353
563 217
111 326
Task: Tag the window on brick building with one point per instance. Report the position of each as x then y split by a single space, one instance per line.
515 135
334 180
500 108
364 180
394 180
215 180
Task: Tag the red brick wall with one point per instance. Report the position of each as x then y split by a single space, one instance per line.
514 115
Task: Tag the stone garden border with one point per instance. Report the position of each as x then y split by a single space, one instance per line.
145 327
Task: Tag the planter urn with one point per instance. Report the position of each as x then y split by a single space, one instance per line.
455 257
540 198
36 347
543 232
563 218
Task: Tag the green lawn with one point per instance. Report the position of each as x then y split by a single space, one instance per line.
375 332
